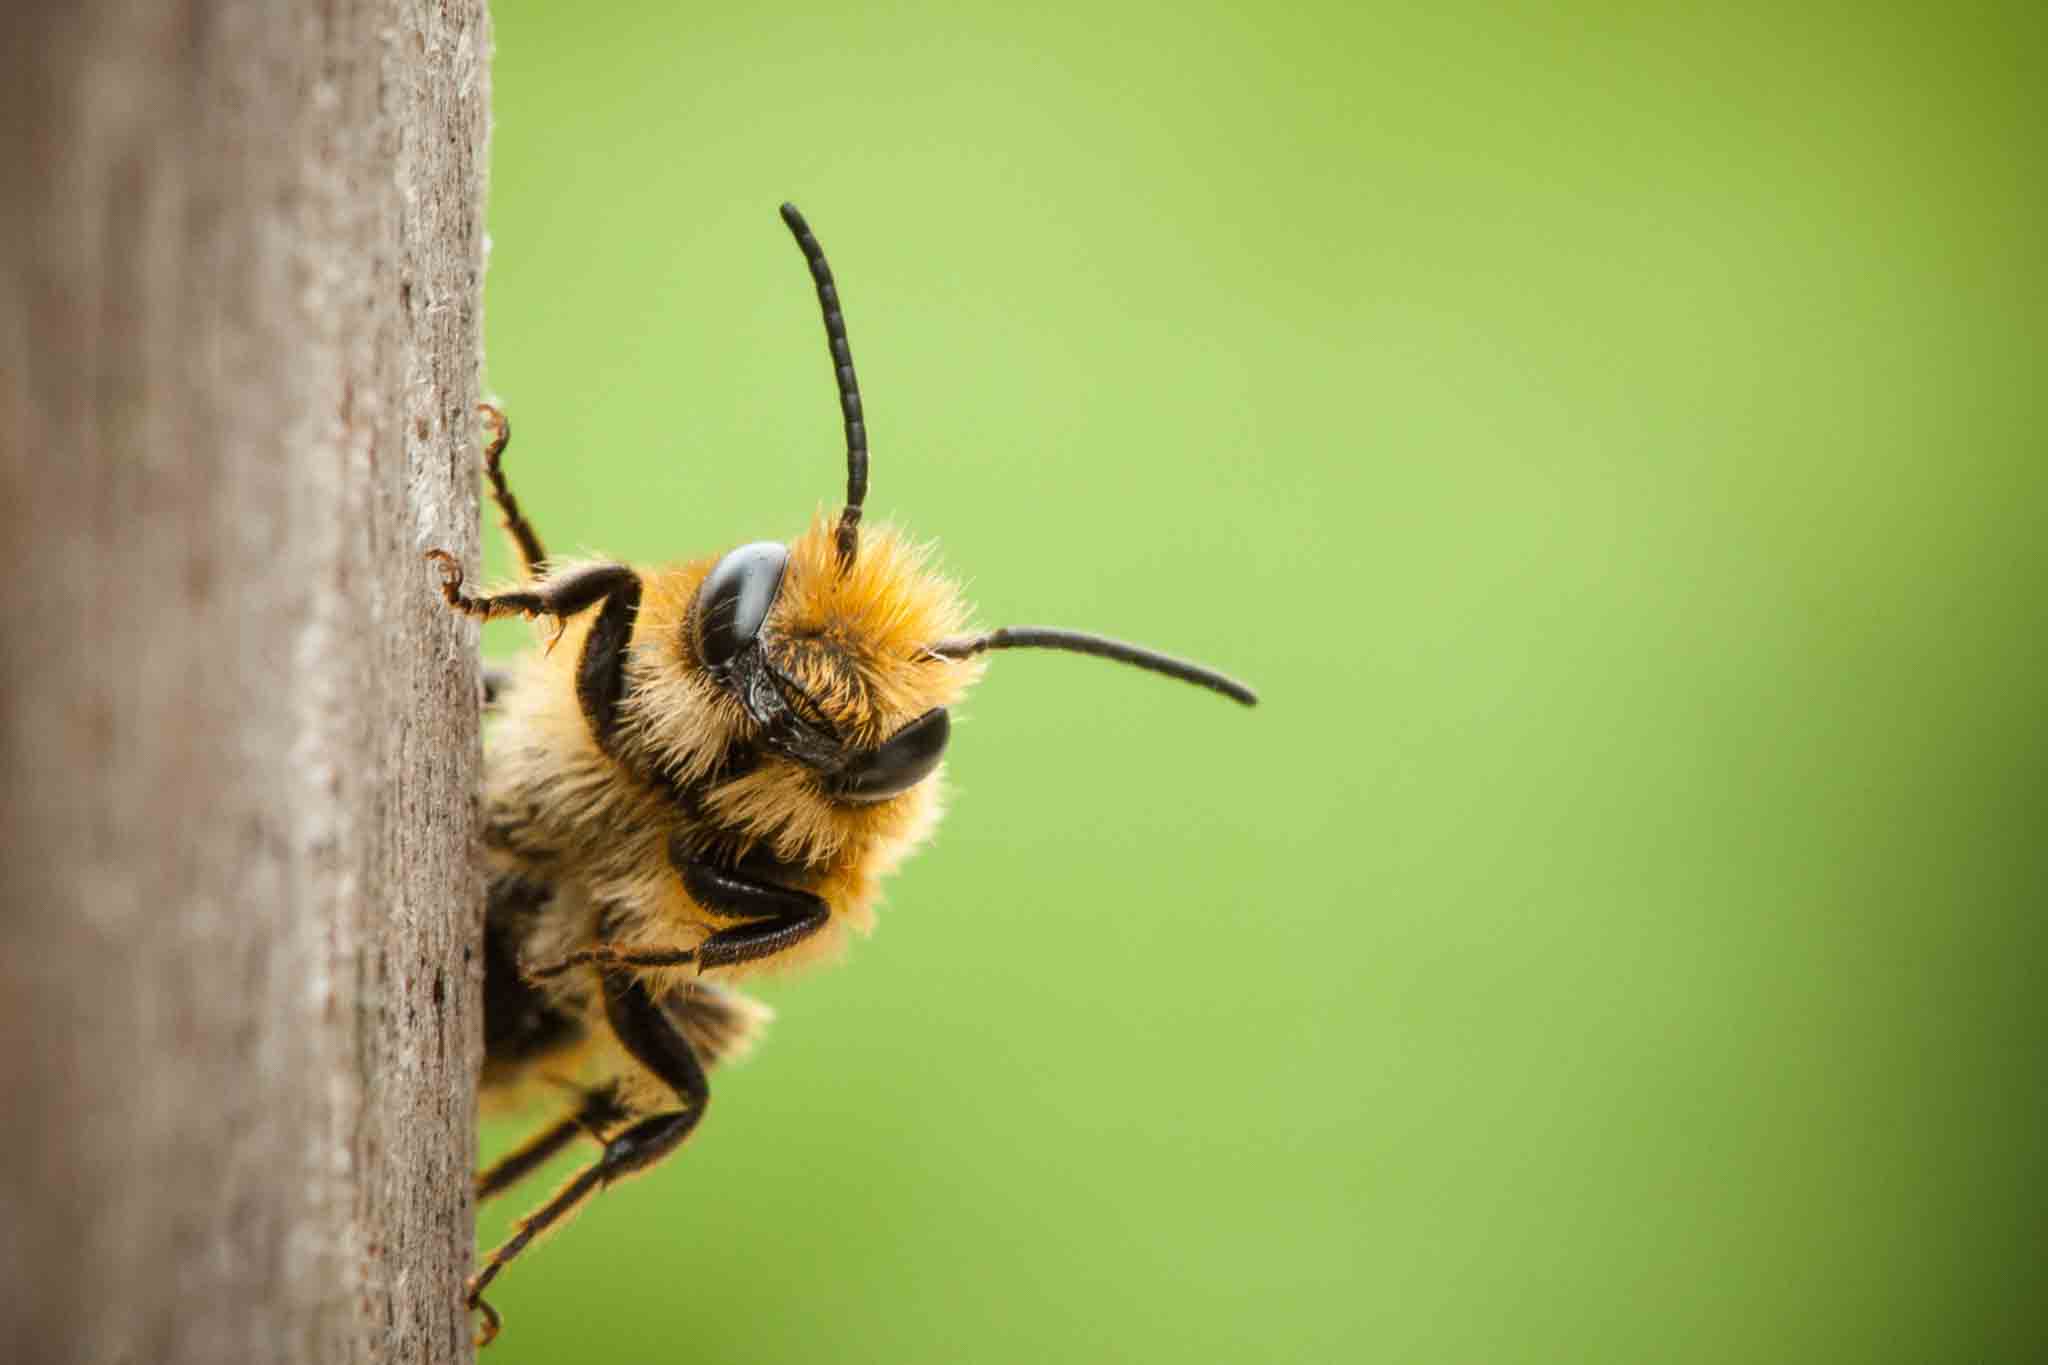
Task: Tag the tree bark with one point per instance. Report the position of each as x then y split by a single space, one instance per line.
240 262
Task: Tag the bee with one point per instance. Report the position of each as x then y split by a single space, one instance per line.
705 774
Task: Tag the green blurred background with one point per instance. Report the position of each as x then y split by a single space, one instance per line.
1611 438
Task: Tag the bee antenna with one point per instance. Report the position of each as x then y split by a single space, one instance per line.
849 387
1078 642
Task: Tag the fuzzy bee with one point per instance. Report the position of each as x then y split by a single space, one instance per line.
705 774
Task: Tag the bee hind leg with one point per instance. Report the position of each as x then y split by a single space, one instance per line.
599 1111
644 1029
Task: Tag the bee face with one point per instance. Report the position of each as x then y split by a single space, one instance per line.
830 663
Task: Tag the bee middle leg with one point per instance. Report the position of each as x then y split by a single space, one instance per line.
601 671
561 595
651 1036
600 676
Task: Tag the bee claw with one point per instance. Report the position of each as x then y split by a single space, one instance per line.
487 1330
451 578
498 432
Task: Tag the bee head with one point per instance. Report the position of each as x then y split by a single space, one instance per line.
830 658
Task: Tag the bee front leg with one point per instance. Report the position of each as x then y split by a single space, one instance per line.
651 1036
783 916
780 918
610 957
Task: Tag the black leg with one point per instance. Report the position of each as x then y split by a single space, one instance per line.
609 957
601 672
524 538
653 1039
563 595
780 918
782 915
597 1113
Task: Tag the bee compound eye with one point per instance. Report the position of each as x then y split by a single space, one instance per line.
905 759
735 600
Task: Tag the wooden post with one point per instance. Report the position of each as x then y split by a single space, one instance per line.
240 267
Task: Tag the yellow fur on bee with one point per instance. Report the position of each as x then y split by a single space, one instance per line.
855 641
598 827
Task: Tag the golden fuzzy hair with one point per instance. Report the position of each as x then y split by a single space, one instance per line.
855 643
561 808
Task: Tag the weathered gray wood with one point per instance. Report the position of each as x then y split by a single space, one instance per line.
240 259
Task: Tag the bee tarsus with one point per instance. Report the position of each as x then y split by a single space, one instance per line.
524 539
607 956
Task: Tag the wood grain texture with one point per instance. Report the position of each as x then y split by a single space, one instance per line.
240 271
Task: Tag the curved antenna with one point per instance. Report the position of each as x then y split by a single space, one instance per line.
1102 647
849 387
